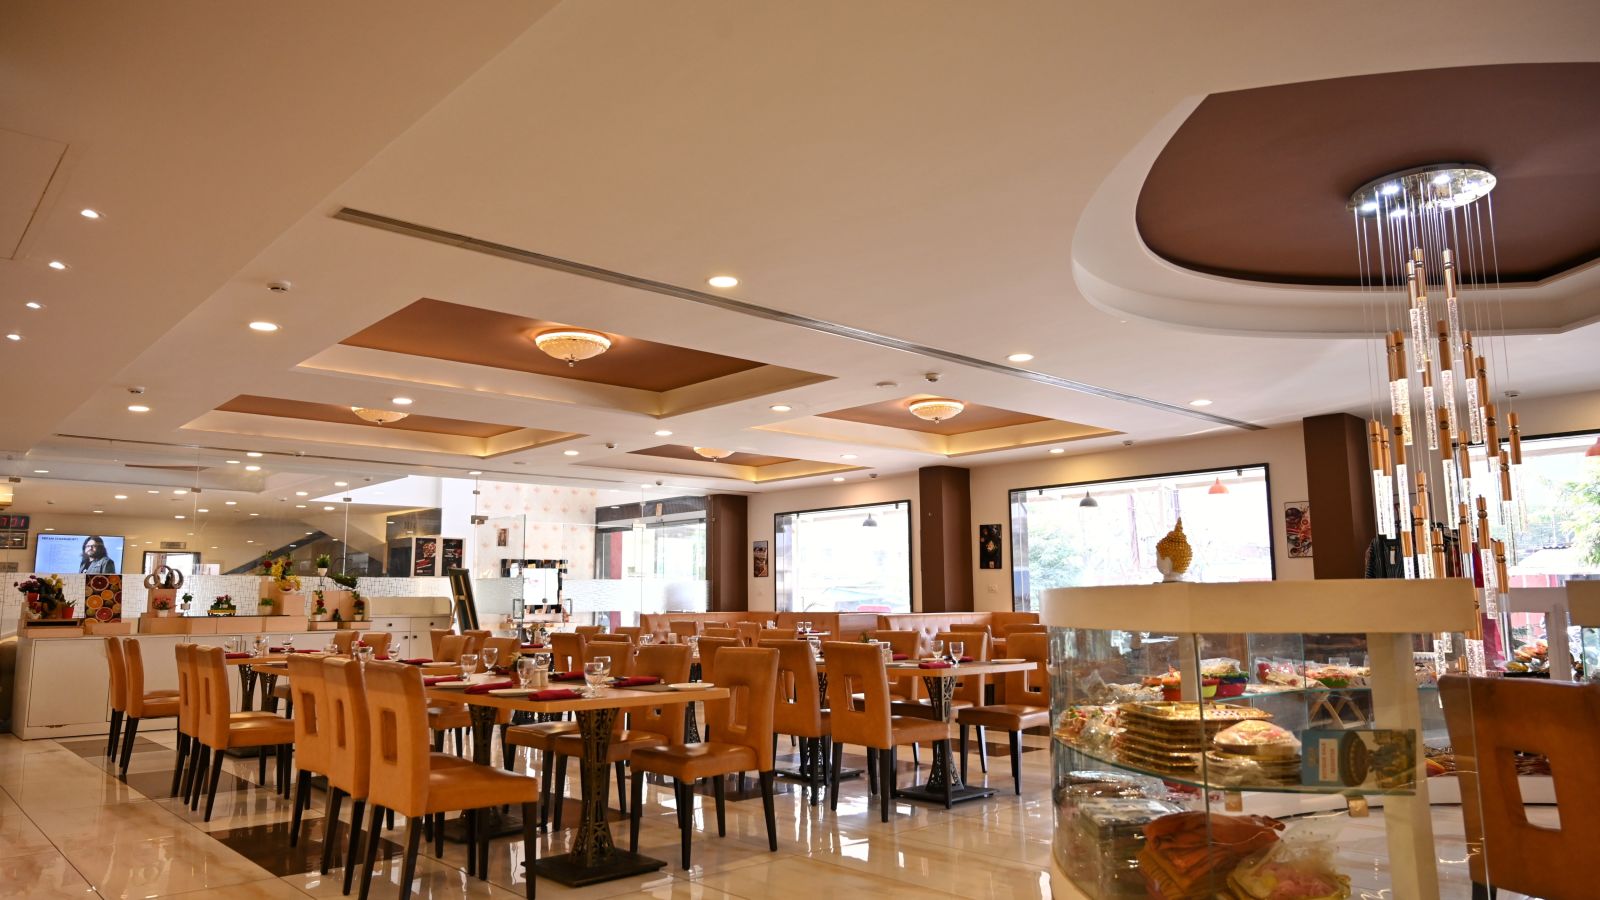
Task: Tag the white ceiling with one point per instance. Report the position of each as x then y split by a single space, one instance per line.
914 169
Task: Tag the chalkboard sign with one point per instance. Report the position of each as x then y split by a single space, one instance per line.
466 609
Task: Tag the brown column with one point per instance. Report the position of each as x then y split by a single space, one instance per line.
727 553
1339 487
945 525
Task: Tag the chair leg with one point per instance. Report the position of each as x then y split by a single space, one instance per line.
261 766
353 851
408 869
302 800
461 743
177 768
1016 761
638 810
686 814
559 790
545 788
508 752
983 753
372 854
197 776
772 815
472 841
438 740
330 830
211 785
886 759
483 845
193 757
622 788
114 732
719 787
530 845
389 818
438 835
963 731
872 771
916 755
127 745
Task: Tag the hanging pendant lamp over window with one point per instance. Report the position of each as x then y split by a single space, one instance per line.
1088 502
870 522
1217 487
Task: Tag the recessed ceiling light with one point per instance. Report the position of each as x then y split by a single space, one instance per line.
230 503
255 514
202 509
120 497
838 478
138 408
263 326
213 546
662 432
89 213
1020 357
475 472
341 484
13 336
328 509
177 517
401 401
34 304
57 264
722 281
1200 402
252 468
780 407
232 462
1057 450
254 454
152 492
181 491
41 471
49 529
301 494
98 511
308 532
569 453
299 506
248 541
847 456
646 486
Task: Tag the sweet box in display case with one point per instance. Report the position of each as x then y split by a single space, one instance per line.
1251 740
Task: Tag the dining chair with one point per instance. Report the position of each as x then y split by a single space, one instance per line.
720 631
507 651
709 648
588 630
435 636
567 648
611 637
685 628
343 640
450 647
742 723
858 669
221 731
635 632
1493 721
117 668
185 775
1024 703
379 642
310 733
139 703
797 709
971 690
747 632
403 777
475 638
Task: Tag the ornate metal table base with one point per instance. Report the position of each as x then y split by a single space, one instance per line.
943 776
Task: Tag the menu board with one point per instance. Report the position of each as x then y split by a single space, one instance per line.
455 553
424 556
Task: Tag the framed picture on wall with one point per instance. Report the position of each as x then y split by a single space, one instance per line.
758 559
988 546
1297 528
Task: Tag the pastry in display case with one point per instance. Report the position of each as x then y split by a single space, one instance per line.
1228 740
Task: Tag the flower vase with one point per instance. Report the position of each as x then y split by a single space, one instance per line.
65 612
322 573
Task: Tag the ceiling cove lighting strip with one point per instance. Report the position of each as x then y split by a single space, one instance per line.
582 270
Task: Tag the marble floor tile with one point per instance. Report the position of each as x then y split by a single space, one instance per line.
45 875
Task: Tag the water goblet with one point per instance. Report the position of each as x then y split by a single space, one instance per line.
331 648
288 643
542 660
490 656
605 662
469 664
645 638
958 649
594 676
260 645
363 654
936 649
816 647
526 666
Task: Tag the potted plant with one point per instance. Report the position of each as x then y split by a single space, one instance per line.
222 606
268 606
323 562
319 611
162 607
358 607
188 599
344 580
283 586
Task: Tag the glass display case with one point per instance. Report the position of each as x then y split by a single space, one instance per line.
1250 740
1583 601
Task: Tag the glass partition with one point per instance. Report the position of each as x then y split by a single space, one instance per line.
845 559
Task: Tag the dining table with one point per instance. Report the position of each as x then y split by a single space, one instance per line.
944 785
594 857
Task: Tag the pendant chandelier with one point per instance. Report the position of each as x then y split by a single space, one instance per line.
937 409
1425 238
379 416
570 345
713 453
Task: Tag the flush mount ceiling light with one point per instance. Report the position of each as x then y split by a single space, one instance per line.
58 265
722 281
572 344
89 213
937 409
780 407
1088 502
13 336
713 453
138 407
1439 186
34 304
263 326
1020 357
379 416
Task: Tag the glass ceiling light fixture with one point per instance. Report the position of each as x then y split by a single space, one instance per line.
1088 502
936 409
570 345
713 453
379 416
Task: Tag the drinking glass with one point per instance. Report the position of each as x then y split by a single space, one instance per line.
605 664
816 647
490 655
936 649
469 664
594 675
331 648
526 666
645 638
694 644
958 649
672 638
288 643
542 660
260 645
363 655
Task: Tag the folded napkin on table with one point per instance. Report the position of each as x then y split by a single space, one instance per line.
900 656
533 646
966 659
488 686
555 694
567 676
416 660
237 655
383 658
440 679
933 664
635 681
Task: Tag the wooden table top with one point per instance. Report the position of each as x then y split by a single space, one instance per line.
610 698
910 669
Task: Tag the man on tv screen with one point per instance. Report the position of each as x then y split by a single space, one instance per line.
95 561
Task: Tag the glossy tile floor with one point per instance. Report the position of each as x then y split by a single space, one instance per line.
69 828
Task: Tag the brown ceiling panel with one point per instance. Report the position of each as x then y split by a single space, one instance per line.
341 415
679 451
1254 183
484 337
897 414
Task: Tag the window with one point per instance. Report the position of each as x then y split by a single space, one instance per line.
1106 532
1554 533
849 559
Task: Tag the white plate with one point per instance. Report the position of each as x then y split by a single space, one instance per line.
1007 660
691 685
510 692
453 685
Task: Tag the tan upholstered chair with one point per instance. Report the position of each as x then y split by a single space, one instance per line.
797 709
449 648
709 648
403 777
220 731
743 726
117 669
1491 721
685 628
748 632
721 631
634 632
475 639
611 638
310 733
343 640
1024 702
858 668
507 650
379 642
188 767
567 647
588 630
140 704
435 637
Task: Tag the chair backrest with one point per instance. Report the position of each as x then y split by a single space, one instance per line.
797 704
605 637
379 642
133 678
685 628
621 655
750 675
749 632
475 639
858 668
507 649
212 701
188 686
1031 688
310 713
670 663
435 637
118 669
344 639
903 643
1026 628
588 630
635 632
976 645
1490 721
568 650
397 719
721 631
773 634
347 729
450 648
709 647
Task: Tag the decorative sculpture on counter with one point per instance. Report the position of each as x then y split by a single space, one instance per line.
1173 555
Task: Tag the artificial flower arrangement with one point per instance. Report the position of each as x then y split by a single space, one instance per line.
222 606
279 570
46 597
358 606
344 580
162 604
320 608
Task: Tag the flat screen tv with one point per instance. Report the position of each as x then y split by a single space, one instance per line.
70 554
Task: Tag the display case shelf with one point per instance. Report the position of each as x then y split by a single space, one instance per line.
1189 779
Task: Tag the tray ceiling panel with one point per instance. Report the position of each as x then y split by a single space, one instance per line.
341 415
897 414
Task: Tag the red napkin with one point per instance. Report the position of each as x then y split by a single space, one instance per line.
440 679
236 656
488 686
635 681
533 646
900 656
416 661
555 694
289 650
966 659
933 664
567 676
